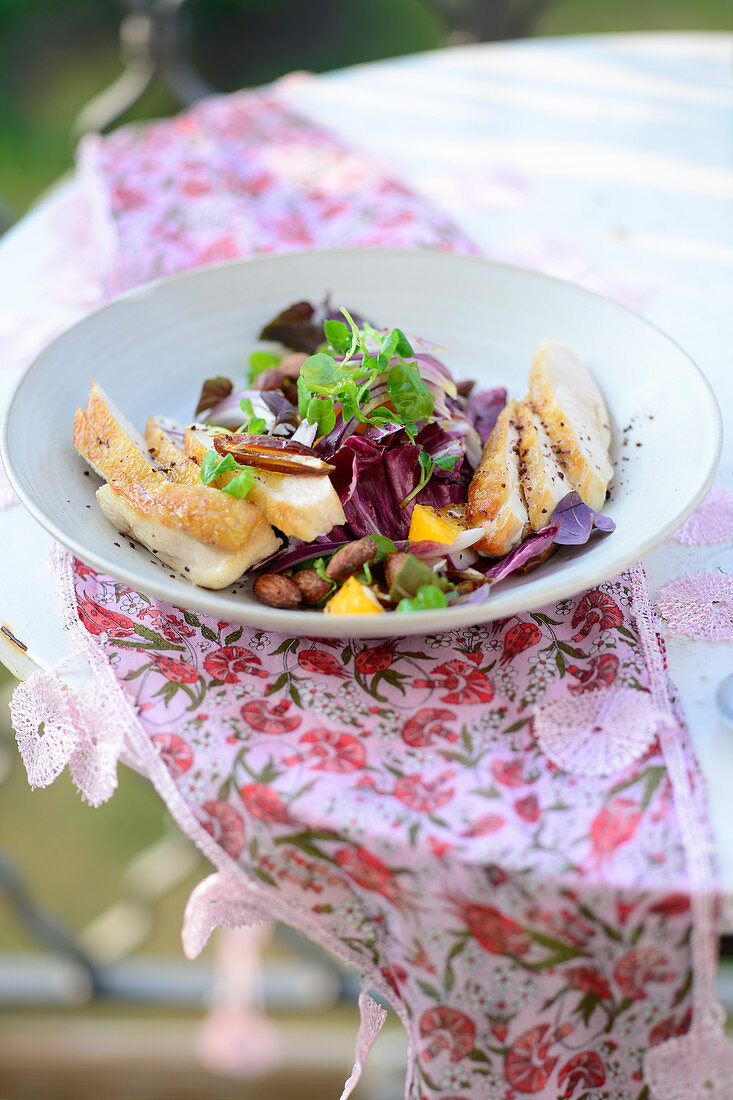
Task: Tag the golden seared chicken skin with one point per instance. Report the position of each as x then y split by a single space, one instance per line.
495 497
542 448
572 411
208 536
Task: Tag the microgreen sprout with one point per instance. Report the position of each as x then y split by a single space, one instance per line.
427 468
213 466
253 423
354 362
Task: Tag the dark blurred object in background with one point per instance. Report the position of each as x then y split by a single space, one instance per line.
56 56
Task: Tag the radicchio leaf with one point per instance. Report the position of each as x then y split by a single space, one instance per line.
483 409
533 547
213 391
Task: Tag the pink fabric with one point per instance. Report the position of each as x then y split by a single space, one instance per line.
700 606
711 522
238 175
530 926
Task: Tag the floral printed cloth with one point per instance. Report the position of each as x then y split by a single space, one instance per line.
530 926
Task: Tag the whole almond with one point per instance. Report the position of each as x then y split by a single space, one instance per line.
276 590
392 565
313 588
350 559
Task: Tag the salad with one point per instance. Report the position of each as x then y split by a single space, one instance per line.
379 414
353 474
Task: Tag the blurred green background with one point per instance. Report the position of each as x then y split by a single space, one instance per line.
56 54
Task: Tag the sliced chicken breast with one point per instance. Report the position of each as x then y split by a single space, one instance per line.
543 480
209 537
108 441
302 506
572 411
495 497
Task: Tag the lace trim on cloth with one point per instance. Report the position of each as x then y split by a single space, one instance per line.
711 522
700 606
700 1063
228 898
596 733
57 726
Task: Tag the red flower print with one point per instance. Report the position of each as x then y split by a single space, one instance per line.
226 827
624 909
101 620
584 1069
127 198
373 659
325 664
447 1029
173 628
613 826
595 608
193 187
229 662
265 803
174 752
422 796
487 823
269 718
669 1028
601 672
588 980
178 672
497 934
508 772
528 808
527 1065
81 569
519 637
463 683
224 248
368 871
639 967
394 977
672 905
427 724
333 751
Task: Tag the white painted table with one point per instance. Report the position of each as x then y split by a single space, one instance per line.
604 160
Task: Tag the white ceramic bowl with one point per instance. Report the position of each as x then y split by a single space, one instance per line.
152 347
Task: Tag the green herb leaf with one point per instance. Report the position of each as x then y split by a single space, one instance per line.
426 472
409 395
240 485
338 335
412 576
320 373
213 465
447 462
260 361
428 597
387 349
384 546
321 411
403 347
254 424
